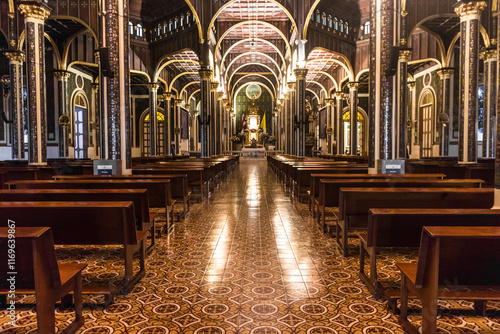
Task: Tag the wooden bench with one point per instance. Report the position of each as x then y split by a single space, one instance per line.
36 269
138 196
86 223
448 270
316 177
178 184
159 191
403 228
354 204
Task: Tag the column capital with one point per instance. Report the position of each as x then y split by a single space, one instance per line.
353 85
15 56
160 98
339 95
205 74
291 85
489 54
214 85
153 86
405 54
220 95
225 101
167 95
301 73
178 102
187 106
411 84
61 74
330 102
32 9
446 72
465 7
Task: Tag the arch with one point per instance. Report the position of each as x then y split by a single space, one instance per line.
313 92
335 85
256 39
177 77
192 94
197 20
424 60
320 85
358 76
254 83
429 137
141 73
79 134
187 85
161 130
347 65
247 53
254 22
259 75
263 65
67 46
311 12
364 130
158 71
212 22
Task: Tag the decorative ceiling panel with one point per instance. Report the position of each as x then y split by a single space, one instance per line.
244 10
253 30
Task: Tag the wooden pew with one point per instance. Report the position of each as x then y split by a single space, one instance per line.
403 228
138 196
36 269
316 177
447 270
86 223
178 184
159 191
330 190
354 204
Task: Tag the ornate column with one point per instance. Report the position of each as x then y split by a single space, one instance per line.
291 137
382 36
402 92
490 102
167 100
205 76
339 123
412 117
470 15
213 118
115 90
96 119
219 117
34 16
353 121
177 125
497 136
284 123
300 74
62 103
329 127
16 60
445 74
153 117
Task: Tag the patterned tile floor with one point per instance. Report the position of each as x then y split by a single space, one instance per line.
248 261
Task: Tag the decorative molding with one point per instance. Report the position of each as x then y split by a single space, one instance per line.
353 85
445 72
167 95
16 56
405 54
205 74
467 8
61 74
489 54
214 85
300 73
36 11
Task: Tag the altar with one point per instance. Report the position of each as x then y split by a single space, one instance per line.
259 152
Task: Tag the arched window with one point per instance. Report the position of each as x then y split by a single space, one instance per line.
323 16
367 28
182 20
164 28
175 22
139 30
188 14
131 28
159 29
170 25
341 26
330 22
347 27
427 123
318 17
80 125
312 17
361 132
336 24
160 139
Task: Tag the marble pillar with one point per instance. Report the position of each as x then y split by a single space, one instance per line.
383 18
497 136
96 111
470 15
35 15
177 125
329 125
339 122
291 137
219 133
167 110
206 76
16 59
153 118
490 102
445 74
353 120
115 90
402 109
63 106
213 118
